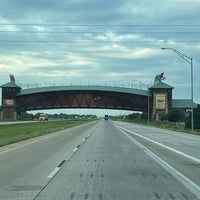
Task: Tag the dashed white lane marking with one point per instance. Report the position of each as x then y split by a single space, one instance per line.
54 172
75 149
57 169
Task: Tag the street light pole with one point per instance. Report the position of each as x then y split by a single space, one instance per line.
190 61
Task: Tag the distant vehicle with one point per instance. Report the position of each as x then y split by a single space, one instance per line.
43 117
106 117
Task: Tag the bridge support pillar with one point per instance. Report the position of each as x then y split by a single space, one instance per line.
8 108
8 113
161 101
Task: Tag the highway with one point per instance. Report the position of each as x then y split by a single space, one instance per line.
102 160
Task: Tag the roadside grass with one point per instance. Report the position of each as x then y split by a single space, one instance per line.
11 133
166 125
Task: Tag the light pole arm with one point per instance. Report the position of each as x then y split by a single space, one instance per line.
186 58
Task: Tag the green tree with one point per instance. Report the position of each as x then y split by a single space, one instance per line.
26 116
196 118
176 115
144 115
133 116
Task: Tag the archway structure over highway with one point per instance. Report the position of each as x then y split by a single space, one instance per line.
103 97
157 100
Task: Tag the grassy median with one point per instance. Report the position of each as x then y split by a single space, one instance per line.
11 133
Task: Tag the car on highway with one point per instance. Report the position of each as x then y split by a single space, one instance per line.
106 117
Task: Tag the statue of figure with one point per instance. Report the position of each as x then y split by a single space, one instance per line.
159 78
12 78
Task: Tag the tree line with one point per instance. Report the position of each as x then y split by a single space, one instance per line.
30 116
175 115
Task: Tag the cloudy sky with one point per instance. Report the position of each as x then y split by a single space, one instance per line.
115 42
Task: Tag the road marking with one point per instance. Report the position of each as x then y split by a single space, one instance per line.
75 149
14 148
25 143
189 184
164 146
54 172
57 169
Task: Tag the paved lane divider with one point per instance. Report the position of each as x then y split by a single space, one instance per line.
188 183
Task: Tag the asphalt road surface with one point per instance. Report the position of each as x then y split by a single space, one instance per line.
102 160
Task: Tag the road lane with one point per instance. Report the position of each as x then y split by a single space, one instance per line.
110 166
25 166
184 142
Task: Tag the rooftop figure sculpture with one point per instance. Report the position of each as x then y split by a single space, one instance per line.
159 78
12 78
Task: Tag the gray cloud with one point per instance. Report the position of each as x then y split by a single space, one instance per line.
95 41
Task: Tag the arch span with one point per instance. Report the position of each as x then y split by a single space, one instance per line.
101 97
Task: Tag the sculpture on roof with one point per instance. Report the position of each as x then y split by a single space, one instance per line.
12 78
159 78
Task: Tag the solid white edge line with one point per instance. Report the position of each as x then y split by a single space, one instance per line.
189 184
162 145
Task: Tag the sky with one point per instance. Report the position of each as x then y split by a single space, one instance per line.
100 42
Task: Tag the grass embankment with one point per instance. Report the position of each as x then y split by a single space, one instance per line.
11 133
